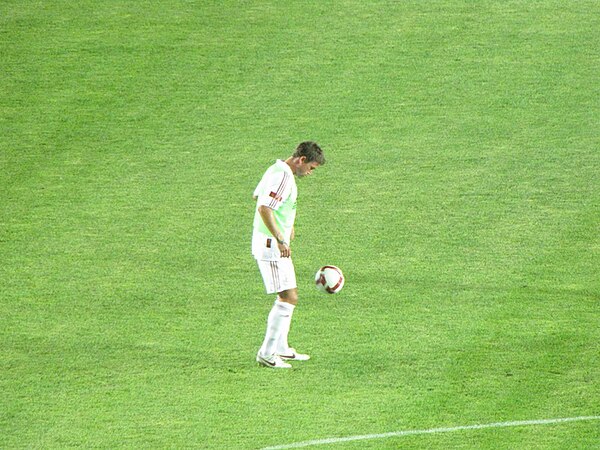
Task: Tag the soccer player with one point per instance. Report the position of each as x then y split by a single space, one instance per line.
275 197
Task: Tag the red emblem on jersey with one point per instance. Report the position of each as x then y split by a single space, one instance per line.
275 196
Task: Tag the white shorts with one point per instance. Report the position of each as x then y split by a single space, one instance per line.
278 275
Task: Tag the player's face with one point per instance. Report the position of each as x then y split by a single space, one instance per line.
306 168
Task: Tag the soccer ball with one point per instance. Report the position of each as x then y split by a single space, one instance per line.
329 279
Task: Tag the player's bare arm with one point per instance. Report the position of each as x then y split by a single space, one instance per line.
268 218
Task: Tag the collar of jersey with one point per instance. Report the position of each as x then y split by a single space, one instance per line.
284 166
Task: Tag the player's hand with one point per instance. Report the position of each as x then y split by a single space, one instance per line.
285 250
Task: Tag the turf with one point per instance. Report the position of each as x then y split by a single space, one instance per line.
460 198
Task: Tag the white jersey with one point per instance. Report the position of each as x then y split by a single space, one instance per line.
276 190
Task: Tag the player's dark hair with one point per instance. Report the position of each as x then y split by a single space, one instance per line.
311 151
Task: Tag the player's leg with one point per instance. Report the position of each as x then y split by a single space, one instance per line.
290 299
279 277
289 296
276 321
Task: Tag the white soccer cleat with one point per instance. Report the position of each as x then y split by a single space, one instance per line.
292 355
273 362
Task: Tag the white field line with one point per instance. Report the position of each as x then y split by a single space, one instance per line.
364 437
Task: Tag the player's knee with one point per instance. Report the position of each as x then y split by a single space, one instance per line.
290 296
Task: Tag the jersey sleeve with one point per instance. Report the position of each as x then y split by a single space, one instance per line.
273 190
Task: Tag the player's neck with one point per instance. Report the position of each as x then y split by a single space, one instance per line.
291 161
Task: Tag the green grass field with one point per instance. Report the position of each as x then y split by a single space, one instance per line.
461 198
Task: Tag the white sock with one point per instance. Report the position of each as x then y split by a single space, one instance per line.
279 318
282 343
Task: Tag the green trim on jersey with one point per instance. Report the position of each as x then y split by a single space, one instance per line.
284 218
